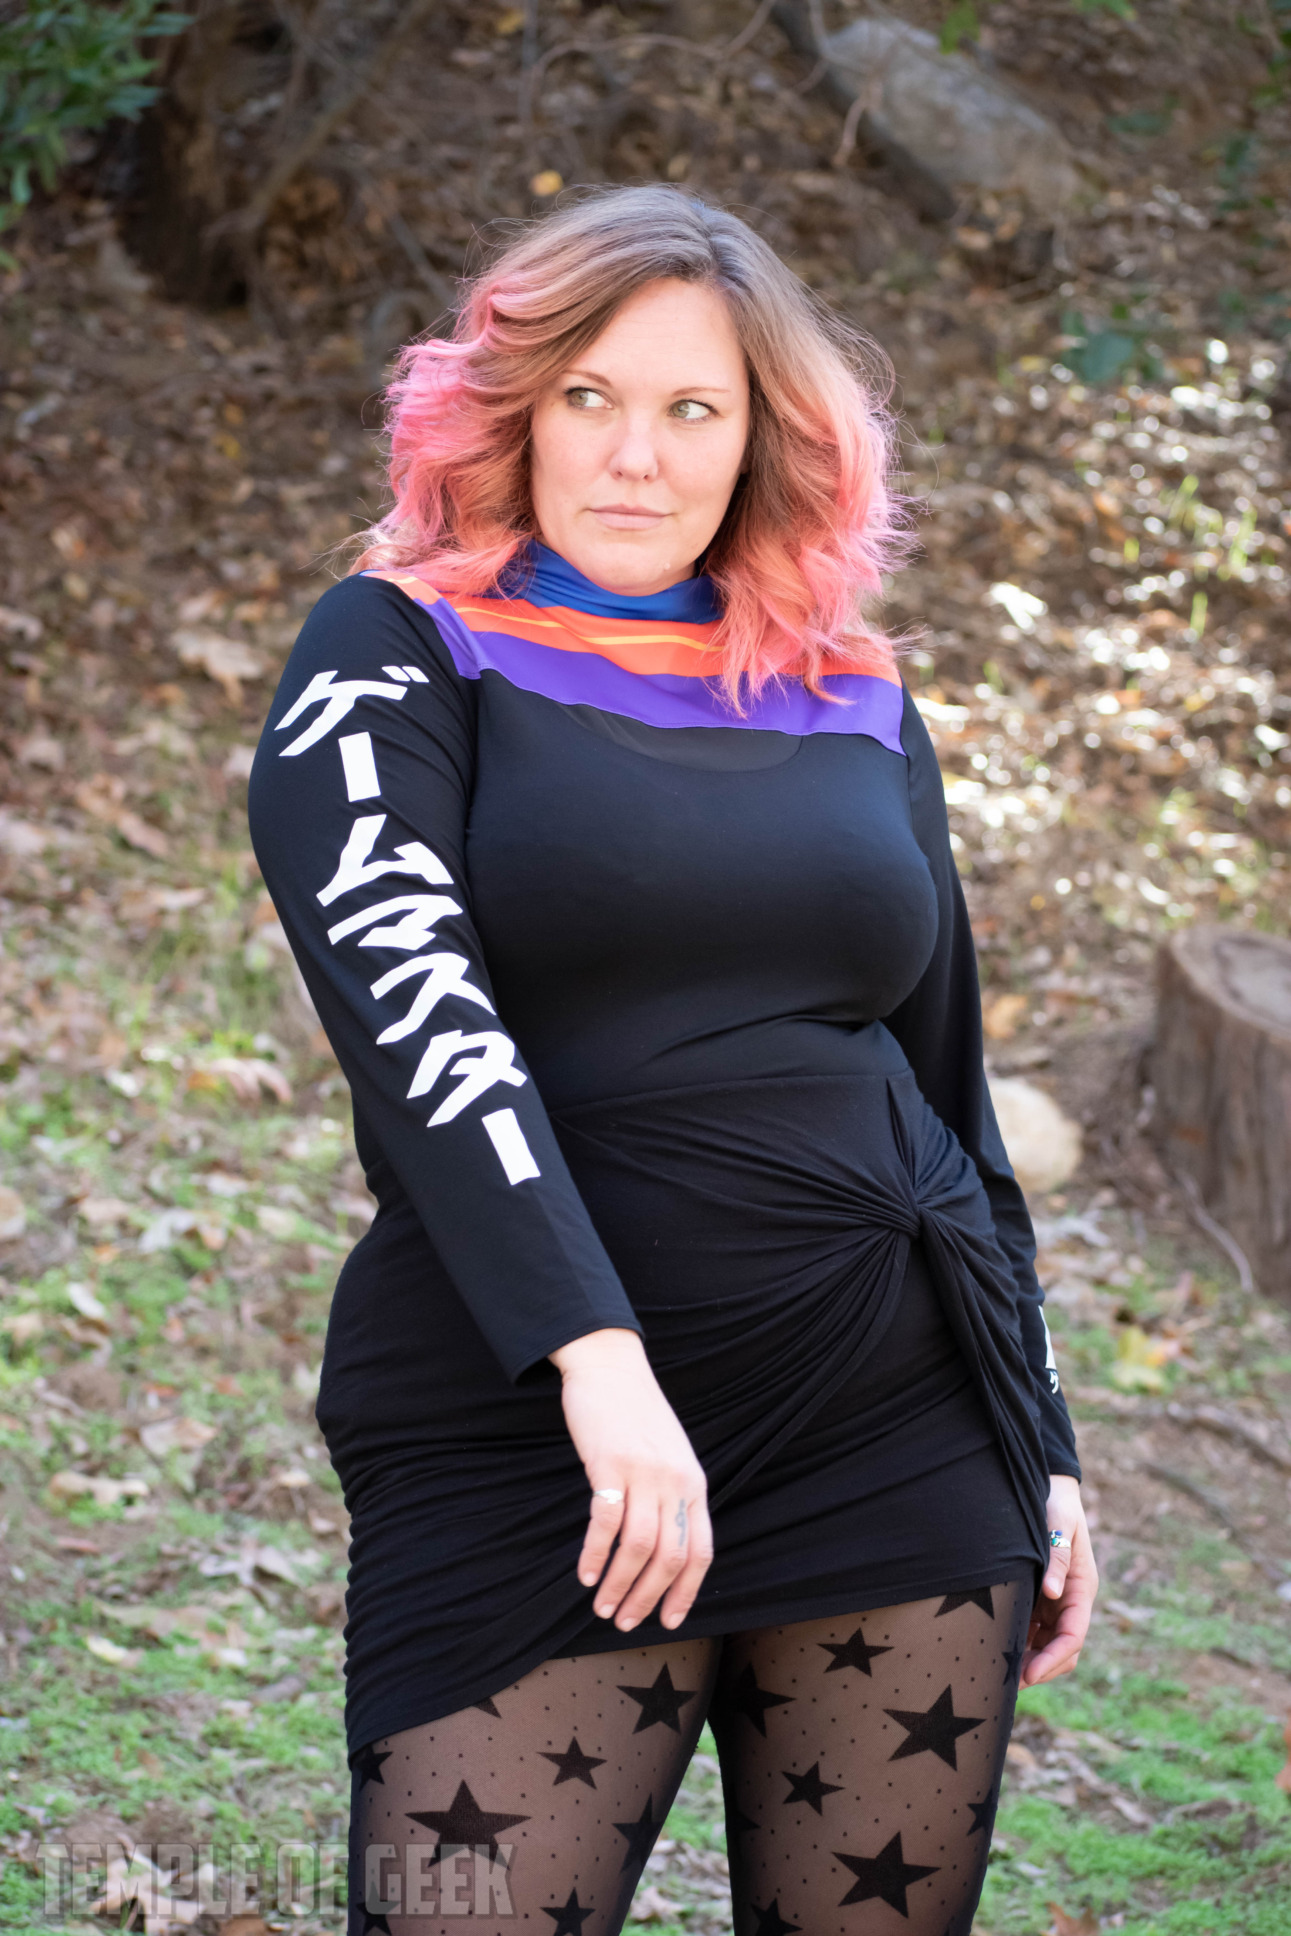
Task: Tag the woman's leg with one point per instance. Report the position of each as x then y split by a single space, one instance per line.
554 1791
861 1762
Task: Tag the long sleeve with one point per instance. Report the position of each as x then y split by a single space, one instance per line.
358 807
939 1026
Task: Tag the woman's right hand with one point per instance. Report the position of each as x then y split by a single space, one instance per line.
629 1438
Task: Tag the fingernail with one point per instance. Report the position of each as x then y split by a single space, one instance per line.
673 1619
605 1611
624 1625
588 1579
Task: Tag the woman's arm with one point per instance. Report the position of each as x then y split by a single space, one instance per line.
939 1026
358 807
358 804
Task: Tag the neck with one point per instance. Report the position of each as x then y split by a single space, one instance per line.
541 576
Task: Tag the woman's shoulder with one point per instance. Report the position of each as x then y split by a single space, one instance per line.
368 631
375 610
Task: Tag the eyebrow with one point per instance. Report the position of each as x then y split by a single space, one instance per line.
712 389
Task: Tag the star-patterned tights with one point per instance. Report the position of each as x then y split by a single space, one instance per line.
860 1760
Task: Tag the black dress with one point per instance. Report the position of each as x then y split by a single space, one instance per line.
661 1017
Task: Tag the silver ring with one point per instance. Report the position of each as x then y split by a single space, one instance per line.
1058 1540
610 1494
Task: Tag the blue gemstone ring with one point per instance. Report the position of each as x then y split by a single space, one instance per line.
1058 1539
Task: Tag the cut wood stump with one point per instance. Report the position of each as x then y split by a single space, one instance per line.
1222 1076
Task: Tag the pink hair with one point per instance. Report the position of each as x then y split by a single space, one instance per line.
813 523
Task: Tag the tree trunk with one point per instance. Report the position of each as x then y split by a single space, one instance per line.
1222 1075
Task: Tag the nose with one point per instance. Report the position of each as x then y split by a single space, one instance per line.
635 457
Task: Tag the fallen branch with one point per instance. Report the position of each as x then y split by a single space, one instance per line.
244 222
800 26
1274 1574
1227 1243
534 70
1227 1425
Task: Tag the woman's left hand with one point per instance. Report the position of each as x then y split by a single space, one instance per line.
1061 1619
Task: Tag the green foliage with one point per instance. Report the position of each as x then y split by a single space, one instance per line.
962 22
1099 353
1145 124
1238 162
68 66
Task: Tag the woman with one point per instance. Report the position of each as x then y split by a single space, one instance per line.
615 859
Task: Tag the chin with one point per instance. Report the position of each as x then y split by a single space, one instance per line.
625 562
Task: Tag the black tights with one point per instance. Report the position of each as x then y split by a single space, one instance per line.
860 1760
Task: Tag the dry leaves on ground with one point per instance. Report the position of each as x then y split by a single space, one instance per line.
1065 1925
245 1075
227 661
169 1435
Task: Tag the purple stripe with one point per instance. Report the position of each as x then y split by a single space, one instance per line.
874 706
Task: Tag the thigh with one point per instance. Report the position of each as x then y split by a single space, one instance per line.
861 1760
538 1805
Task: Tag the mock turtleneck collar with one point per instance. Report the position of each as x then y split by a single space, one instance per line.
541 576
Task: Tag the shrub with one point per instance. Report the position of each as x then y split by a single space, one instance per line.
67 66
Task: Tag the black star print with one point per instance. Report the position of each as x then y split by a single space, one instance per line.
660 1702
372 1922
740 1823
367 1766
771 1922
640 1836
752 1701
486 1706
465 1825
984 1812
886 1875
1012 1665
810 1788
852 1653
978 1596
935 1732
569 1918
574 1765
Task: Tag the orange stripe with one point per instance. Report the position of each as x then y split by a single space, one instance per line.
636 645
679 650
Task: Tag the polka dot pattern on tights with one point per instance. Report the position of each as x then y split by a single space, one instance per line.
860 1758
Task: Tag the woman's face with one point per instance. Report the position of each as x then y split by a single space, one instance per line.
636 448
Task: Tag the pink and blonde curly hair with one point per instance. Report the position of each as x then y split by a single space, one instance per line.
813 523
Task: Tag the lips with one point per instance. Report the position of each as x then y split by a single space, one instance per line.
627 517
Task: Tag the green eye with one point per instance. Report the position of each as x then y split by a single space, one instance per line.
691 411
583 398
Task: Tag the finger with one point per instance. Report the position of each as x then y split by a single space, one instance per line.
638 1537
665 1564
1055 1578
680 1596
603 1524
1058 1658
1059 1650
1059 1564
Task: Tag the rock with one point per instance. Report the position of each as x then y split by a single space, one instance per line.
960 123
1044 1146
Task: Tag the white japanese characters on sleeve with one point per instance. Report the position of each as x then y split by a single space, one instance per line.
470 1064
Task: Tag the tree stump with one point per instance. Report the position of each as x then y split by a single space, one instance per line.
1222 1076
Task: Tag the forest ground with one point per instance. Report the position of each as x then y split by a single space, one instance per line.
1101 652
